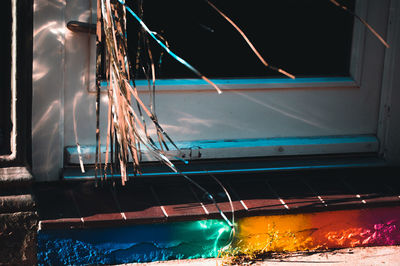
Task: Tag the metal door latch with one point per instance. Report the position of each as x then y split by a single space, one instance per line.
77 26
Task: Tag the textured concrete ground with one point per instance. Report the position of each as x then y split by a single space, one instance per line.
349 256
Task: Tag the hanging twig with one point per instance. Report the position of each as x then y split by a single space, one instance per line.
99 62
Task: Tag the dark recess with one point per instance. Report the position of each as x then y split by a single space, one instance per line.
306 38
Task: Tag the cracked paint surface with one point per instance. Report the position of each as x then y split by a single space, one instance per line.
139 243
203 239
323 230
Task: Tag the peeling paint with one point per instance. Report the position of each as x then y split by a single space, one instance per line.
334 229
139 243
205 238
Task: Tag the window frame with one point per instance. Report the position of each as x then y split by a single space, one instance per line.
361 49
13 96
21 84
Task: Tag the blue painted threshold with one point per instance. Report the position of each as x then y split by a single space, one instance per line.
251 155
240 166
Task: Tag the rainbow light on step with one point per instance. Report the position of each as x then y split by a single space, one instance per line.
321 230
205 238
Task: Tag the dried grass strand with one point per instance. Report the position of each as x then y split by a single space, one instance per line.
162 45
372 30
249 43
